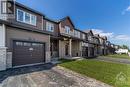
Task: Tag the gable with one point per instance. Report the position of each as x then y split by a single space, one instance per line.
67 22
91 33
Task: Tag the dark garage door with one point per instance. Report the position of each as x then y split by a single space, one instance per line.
28 53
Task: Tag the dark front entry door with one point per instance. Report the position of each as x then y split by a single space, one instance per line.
91 51
85 51
66 49
28 53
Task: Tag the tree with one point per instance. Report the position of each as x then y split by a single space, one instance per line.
125 47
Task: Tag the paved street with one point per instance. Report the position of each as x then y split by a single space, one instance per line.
46 76
116 60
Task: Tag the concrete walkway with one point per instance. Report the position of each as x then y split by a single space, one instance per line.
116 60
46 76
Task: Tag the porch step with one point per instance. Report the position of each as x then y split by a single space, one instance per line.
74 58
55 61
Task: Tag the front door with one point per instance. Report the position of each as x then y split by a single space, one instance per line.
67 49
91 51
85 51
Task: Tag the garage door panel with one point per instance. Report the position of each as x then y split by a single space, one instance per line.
28 53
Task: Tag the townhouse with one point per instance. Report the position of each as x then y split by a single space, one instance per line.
103 45
30 38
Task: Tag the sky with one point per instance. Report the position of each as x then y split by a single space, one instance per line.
109 18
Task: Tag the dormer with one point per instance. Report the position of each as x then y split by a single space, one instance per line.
90 36
96 39
66 27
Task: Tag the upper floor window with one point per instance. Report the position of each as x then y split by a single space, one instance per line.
96 40
77 33
3 6
20 15
49 26
101 41
83 35
26 17
90 38
67 29
33 19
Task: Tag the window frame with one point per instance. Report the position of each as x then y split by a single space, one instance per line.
24 20
83 36
77 33
35 17
3 7
67 29
50 26
18 15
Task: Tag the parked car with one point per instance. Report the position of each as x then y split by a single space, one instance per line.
122 51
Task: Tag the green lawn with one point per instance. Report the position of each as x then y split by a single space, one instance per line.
114 74
124 56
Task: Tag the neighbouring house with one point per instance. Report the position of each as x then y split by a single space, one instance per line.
108 45
112 48
103 45
30 38
71 39
97 44
91 43
85 45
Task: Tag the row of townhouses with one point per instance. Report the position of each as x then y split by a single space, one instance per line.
29 38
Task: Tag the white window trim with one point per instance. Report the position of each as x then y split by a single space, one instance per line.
67 28
17 15
24 18
84 36
35 19
77 33
4 8
48 25
29 20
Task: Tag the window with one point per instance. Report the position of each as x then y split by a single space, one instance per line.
26 17
67 30
77 34
3 7
49 27
33 19
19 43
90 38
20 15
84 36
27 44
37 44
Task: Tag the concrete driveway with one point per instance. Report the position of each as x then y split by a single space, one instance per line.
47 75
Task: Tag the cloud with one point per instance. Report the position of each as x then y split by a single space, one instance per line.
126 10
119 39
122 37
102 33
111 35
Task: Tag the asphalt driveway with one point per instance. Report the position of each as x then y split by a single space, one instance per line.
47 75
